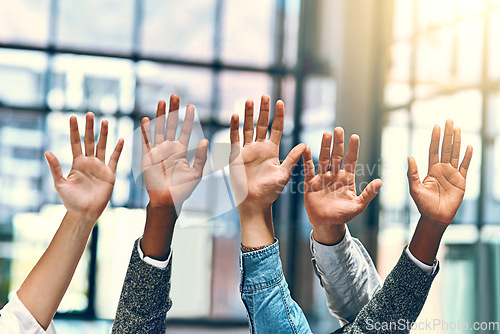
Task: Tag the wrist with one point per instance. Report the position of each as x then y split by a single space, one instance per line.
158 231
426 239
256 225
82 224
329 235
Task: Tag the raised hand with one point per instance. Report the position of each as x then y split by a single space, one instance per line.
330 195
168 177
88 187
263 177
440 194
257 176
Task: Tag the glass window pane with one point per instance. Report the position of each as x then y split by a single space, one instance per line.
432 14
319 101
248 29
403 19
494 45
292 23
464 108
434 59
24 21
397 90
395 145
158 82
236 88
179 29
105 25
470 51
92 83
467 7
23 77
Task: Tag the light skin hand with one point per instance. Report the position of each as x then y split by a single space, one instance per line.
85 193
330 195
168 177
439 196
257 176
88 187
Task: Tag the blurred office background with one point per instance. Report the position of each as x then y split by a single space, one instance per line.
387 70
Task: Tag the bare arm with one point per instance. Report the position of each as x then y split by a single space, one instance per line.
85 193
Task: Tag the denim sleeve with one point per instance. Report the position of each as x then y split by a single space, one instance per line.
396 306
347 274
265 294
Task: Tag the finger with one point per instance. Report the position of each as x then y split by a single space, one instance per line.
101 143
308 164
235 132
200 156
413 178
278 123
187 126
351 157
370 192
55 168
88 139
455 153
293 157
464 167
434 147
146 135
338 150
447 142
263 122
248 123
160 123
115 156
324 153
173 117
76 146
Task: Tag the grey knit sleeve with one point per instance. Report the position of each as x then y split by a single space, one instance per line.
144 300
396 306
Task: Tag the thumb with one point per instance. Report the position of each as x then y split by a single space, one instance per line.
413 178
293 157
55 167
370 192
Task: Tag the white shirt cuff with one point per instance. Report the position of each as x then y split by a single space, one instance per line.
425 267
15 318
151 261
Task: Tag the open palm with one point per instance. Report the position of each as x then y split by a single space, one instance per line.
89 185
439 195
168 176
257 176
330 195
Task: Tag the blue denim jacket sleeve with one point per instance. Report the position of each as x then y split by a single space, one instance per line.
265 294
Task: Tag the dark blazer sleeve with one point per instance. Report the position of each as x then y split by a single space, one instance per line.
144 300
396 306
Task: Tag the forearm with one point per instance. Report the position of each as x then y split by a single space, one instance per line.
256 225
45 286
398 303
426 240
145 297
158 231
347 274
266 296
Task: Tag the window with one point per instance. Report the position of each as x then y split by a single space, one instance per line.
442 63
61 57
